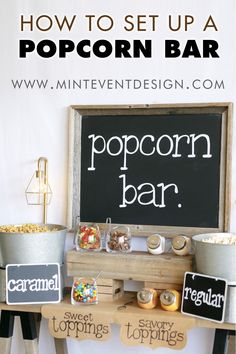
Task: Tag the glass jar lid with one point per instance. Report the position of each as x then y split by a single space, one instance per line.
179 242
167 298
144 296
154 241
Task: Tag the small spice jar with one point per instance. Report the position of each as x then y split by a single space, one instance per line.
147 298
119 239
156 244
181 245
88 238
84 292
170 300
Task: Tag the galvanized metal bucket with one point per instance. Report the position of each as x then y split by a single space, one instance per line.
230 310
38 247
215 259
2 285
218 260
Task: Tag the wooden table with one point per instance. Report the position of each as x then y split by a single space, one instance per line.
124 312
119 312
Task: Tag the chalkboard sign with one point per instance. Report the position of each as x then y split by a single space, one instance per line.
204 296
150 166
33 283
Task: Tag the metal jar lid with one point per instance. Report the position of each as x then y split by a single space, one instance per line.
154 241
179 242
167 298
144 296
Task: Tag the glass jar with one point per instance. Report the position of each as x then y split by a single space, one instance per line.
88 237
181 245
84 292
147 298
156 244
119 239
170 300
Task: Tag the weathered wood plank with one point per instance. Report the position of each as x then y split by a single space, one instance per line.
140 266
109 282
224 108
163 286
112 310
110 297
109 290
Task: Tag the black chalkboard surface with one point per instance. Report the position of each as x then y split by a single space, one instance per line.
204 296
152 167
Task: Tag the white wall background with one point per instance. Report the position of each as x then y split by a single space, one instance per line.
34 122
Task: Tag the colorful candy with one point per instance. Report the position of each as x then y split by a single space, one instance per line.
84 291
88 237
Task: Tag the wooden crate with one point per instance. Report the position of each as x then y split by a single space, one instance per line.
110 289
158 271
163 286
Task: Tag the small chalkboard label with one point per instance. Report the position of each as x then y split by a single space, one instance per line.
204 296
33 283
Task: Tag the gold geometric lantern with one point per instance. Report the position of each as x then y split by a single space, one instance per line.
38 191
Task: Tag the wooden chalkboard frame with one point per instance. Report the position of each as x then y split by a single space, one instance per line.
76 112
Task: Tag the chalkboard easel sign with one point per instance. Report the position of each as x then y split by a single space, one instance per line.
33 283
204 296
155 168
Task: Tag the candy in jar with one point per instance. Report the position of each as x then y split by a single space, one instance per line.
119 239
88 237
84 291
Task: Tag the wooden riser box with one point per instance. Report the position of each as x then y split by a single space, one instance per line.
109 289
163 271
